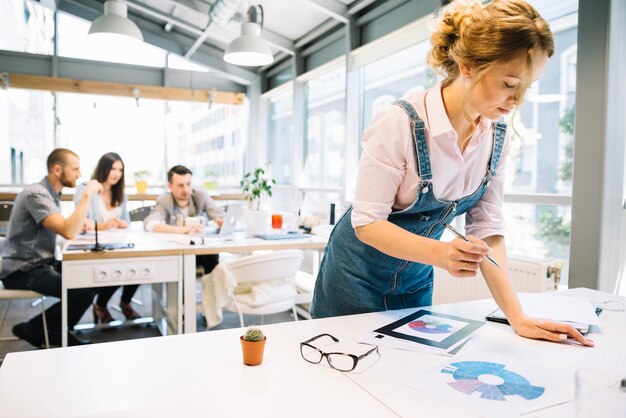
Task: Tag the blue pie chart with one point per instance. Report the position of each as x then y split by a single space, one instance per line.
492 380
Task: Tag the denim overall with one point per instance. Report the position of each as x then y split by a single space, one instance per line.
357 278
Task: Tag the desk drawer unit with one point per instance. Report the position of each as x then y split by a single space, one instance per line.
109 272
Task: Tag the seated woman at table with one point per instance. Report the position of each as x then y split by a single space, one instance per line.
109 211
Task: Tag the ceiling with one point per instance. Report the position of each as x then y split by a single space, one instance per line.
185 28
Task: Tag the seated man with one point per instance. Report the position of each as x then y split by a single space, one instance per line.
28 253
171 209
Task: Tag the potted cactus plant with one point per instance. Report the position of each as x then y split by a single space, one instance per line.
252 346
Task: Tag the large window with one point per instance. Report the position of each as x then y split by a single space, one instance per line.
325 143
26 135
26 26
93 125
393 77
540 163
211 141
280 137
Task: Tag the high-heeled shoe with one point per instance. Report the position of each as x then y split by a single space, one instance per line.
128 311
101 315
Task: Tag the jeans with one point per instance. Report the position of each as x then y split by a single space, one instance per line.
47 281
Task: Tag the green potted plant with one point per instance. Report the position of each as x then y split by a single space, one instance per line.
253 346
141 183
254 185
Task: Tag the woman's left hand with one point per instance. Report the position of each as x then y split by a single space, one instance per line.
121 224
548 330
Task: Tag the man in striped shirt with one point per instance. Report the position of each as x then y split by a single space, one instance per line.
28 253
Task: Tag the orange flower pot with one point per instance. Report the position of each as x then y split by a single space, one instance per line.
252 351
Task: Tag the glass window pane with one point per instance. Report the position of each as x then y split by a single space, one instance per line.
74 43
93 125
280 137
395 76
26 26
210 142
326 126
538 231
542 142
26 135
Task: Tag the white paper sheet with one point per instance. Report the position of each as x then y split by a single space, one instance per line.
559 307
494 385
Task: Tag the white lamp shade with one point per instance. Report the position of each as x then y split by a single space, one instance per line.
115 21
249 49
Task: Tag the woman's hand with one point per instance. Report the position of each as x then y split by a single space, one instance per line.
544 329
89 225
122 224
461 258
111 224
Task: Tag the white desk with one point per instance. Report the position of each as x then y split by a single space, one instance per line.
165 258
202 375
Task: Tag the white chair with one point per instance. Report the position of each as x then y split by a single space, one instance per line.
264 283
10 294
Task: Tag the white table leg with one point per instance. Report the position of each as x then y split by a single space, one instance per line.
189 293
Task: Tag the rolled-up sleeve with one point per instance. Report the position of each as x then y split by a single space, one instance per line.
386 144
485 218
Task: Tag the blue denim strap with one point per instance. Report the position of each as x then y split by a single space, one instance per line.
498 142
420 147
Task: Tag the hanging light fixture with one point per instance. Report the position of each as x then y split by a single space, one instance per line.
250 49
115 21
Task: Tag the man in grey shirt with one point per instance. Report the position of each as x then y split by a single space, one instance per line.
182 202
28 253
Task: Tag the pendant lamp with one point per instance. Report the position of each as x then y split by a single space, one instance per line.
115 21
249 49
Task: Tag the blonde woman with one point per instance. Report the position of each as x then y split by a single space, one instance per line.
432 156
109 211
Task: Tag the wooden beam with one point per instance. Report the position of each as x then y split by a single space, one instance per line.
66 85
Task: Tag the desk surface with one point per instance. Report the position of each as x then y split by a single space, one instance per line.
154 244
202 375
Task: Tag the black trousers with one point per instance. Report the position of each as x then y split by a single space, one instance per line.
46 280
105 294
208 262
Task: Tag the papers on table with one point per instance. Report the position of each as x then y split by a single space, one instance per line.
579 311
426 331
494 385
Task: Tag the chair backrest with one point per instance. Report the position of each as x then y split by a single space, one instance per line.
140 213
5 211
261 267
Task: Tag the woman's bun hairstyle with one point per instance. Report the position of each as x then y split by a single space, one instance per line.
478 35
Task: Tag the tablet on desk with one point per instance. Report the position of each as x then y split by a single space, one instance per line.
498 316
109 246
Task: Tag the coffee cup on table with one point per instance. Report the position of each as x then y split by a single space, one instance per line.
195 220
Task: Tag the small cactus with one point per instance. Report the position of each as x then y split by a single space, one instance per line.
253 334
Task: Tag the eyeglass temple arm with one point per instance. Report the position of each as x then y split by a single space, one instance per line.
375 348
320 336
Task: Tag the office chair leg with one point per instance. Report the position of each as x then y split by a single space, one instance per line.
295 314
239 312
45 324
5 313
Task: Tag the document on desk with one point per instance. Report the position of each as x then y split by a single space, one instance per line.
427 331
572 309
496 385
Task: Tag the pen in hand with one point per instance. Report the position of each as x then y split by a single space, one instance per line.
463 237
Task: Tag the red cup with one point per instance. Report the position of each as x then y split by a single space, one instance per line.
277 221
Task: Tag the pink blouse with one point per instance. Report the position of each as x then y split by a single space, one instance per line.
388 177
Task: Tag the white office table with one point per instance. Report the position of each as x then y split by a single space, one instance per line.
160 258
201 374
